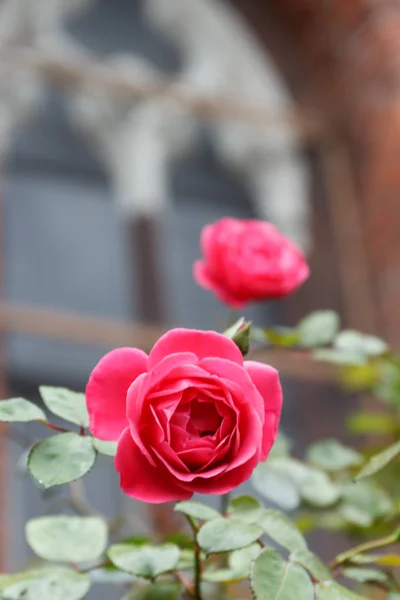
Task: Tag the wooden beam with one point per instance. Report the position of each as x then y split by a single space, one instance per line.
72 73
347 227
80 329
144 236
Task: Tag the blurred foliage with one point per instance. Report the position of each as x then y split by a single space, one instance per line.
332 487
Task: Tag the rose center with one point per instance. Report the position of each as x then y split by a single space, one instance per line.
206 433
198 416
204 419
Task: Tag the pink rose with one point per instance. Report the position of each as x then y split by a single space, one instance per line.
190 417
248 260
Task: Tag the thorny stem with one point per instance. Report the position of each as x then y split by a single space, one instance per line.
197 562
197 572
54 427
82 431
187 584
366 547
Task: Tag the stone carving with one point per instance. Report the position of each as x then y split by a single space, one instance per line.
37 24
222 57
139 140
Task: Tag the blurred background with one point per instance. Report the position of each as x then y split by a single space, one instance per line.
125 127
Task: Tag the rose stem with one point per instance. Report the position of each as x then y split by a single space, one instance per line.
197 561
224 502
53 427
366 547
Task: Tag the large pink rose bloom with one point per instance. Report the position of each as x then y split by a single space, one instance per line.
248 260
190 417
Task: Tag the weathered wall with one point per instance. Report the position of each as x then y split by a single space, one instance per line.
344 58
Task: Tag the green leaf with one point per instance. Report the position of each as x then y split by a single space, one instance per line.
318 329
359 377
279 528
61 458
108 448
240 560
183 540
275 486
379 461
186 559
156 591
358 343
239 563
330 590
371 423
284 337
19 410
281 447
388 386
66 404
340 357
272 578
332 456
144 561
223 535
390 560
198 510
330 520
213 575
364 502
245 508
364 575
314 485
137 540
311 563
45 584
110 575
319 491
67 539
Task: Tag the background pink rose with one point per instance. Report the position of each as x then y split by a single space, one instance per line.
190 417
248 260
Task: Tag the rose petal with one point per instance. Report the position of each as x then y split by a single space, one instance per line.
170 361
201 343
196 458
300 275
167 368
208 242
107 389
177 467
140 479
235 378
270 431
266 379
224 483
204 278
146 392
